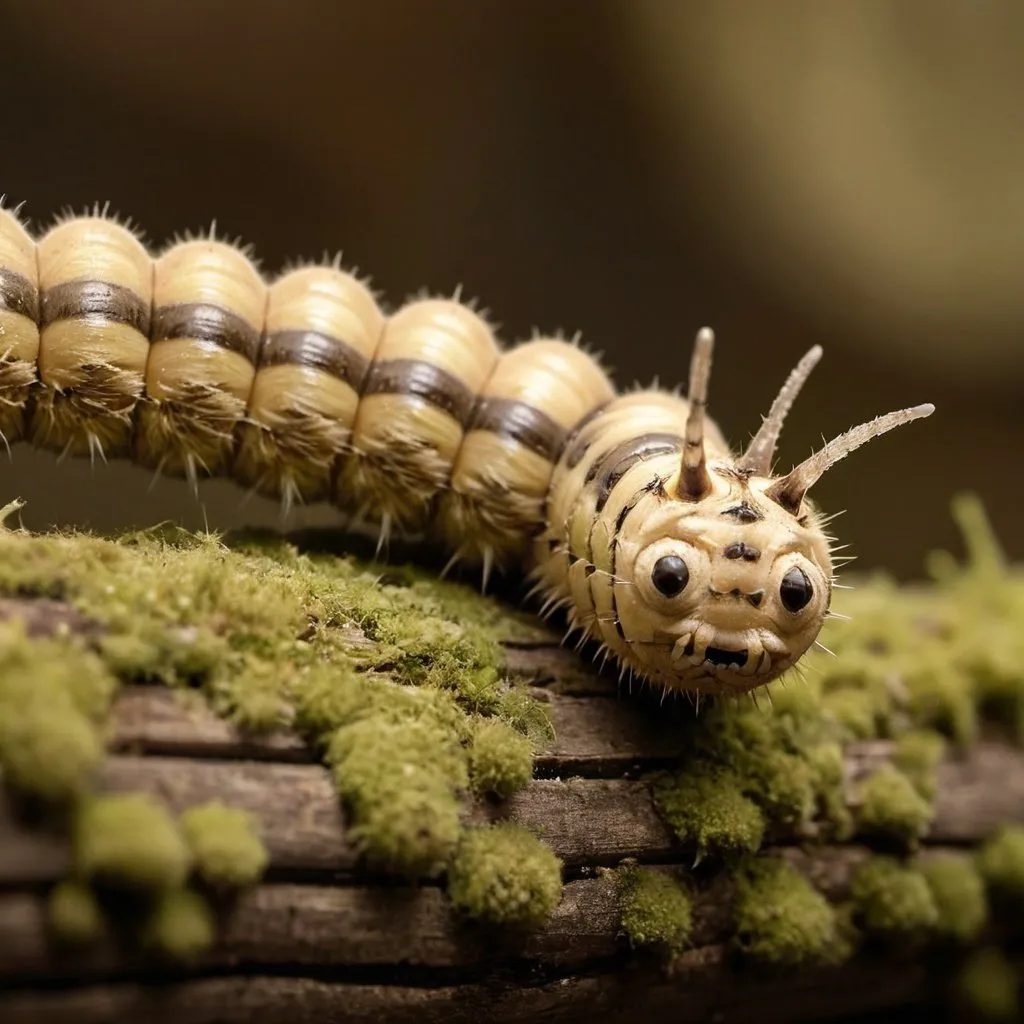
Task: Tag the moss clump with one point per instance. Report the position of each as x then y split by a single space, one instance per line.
504 875
939 694
765 750
959 894
1001 862
180 924
500 758
129 841
891 900
826 764
853 711
656 909
225 847
707 809
989 985
918 754
401 782
782 921
54 695
75 915
246 619
891 807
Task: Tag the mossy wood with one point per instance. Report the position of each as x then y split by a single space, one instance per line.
845 850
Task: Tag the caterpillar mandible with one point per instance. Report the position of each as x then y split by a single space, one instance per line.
692 567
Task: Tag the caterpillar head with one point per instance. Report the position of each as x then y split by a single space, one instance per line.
728 569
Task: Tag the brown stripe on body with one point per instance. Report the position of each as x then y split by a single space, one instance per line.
19 294
422 380
620 521
610 469
520 422
317 351
95 300
578 443
605 474
203 321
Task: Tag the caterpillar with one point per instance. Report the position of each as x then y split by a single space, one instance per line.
692 567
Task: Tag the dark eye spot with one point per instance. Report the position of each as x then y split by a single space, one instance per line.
670 575
796 590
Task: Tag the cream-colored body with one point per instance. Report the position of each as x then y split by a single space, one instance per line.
321 331
404 445
499 484
691 568
209 302
19 330
97 280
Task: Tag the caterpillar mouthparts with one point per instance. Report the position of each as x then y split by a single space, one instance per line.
690 566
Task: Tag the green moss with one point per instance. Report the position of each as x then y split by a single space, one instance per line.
401 781
271 637
827 771
500 758
891 807
226 849
918 754
984 552
892 900
989 985
504 875
939 694
853 711
959 894
129 841
763 750
246 620
656 908
708 810
75 915
1001 862
411 720
782 921
180 925
54 695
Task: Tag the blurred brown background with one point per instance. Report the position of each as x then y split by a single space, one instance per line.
788 173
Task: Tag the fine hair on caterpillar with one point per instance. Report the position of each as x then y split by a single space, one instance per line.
691 566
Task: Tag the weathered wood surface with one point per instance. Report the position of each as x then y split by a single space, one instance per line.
320 941
587 821
704 987
278 924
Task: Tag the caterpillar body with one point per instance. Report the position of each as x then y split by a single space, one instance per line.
691 566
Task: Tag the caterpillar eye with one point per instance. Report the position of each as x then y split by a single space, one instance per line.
796 590
670 575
